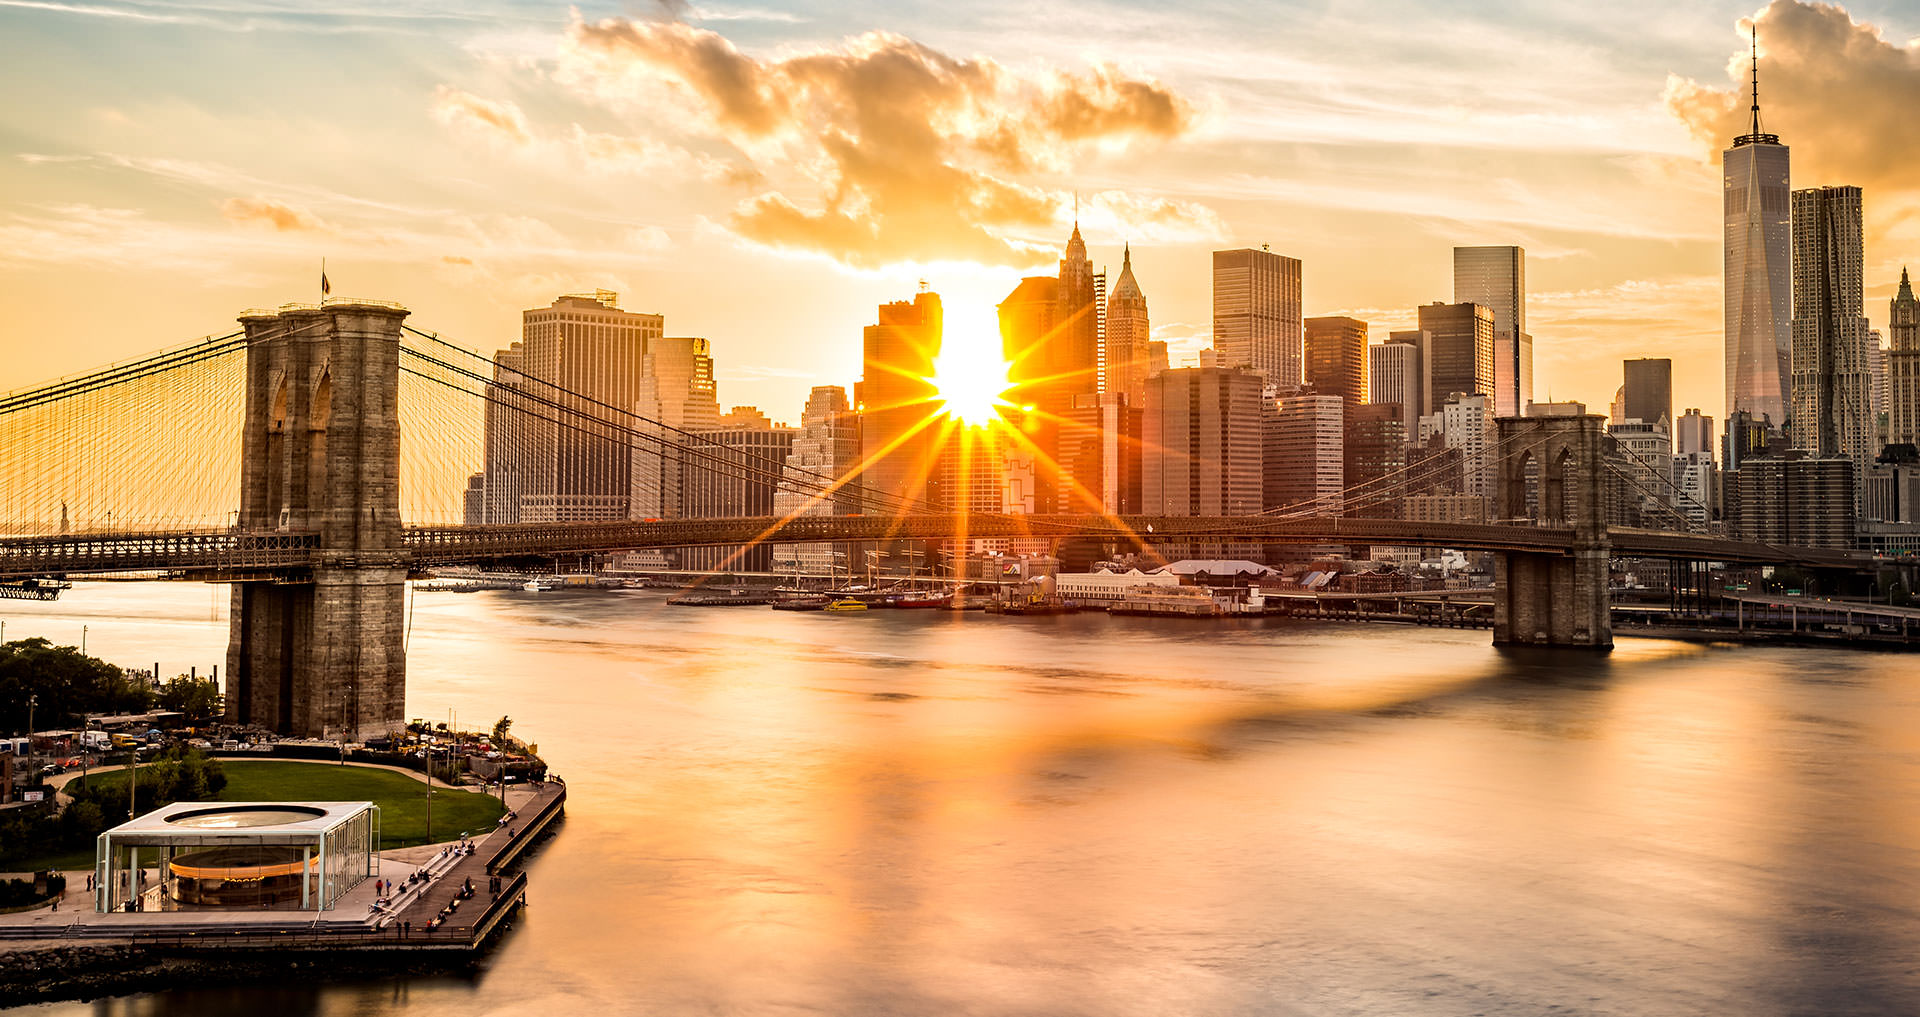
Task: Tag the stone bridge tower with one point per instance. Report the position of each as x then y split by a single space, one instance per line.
311 655
1550 473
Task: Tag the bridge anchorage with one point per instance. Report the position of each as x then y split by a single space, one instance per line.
321 651
1554 599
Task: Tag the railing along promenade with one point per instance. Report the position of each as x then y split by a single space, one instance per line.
216 554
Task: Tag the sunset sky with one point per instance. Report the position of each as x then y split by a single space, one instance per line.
763 174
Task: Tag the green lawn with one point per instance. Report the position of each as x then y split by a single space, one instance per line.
402 799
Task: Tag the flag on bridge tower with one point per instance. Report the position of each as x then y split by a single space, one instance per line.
325 287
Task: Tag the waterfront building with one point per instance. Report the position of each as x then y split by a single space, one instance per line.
1126 358
1304 454
249 856
1790 500
1394 378
1903 365
896 400
1758 248
1337 357
1693 433
677 395
1256 314
1100 443
825 448
1648 391
587 354
1106 587
1831 388
1496 278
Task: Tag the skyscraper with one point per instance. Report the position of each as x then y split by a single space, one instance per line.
586 353
1304 459
507 428
1375 447
1394 377
1127 360
1076 343
895 395
1648 393
1693 432
1456 352
1903 366
1256 314
1759 246
1496 278
1201 443
677 393
736 474
1336 349
1832 411
1100 454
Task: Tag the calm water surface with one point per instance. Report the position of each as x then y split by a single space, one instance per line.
917 813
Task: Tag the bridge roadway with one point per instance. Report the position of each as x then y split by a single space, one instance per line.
241 555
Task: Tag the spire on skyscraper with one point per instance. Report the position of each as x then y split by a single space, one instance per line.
1125 288
1906 287
1754 135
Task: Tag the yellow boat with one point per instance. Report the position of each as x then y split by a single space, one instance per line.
846 604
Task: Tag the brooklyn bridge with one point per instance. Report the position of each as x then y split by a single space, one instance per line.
343 428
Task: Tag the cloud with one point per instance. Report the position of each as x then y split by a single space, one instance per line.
501 121
1816 60
282 217
502 124
880 150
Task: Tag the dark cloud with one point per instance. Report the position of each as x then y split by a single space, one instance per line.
912 149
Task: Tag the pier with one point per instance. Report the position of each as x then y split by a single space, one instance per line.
76 952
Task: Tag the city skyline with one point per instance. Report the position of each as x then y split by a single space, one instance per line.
217 225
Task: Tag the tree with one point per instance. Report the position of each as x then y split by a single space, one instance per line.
66 683
198 698
500 728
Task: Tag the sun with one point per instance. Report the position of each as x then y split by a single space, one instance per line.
971 381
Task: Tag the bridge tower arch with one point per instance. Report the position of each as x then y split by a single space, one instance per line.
322 653
1554 599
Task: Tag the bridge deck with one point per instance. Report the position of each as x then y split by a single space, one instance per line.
232 554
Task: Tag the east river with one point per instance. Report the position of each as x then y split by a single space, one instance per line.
910 812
